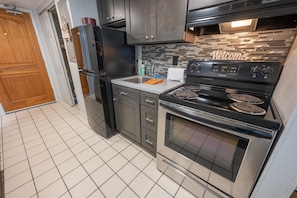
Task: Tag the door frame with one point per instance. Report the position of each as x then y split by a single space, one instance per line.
65 95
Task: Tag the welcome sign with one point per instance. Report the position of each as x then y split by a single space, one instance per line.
224 55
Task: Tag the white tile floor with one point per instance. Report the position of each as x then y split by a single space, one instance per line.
50 152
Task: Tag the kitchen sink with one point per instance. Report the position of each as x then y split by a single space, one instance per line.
138 79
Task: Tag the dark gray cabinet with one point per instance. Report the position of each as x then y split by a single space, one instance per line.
111 11
127 111
153 21
149 120
136 114
194 4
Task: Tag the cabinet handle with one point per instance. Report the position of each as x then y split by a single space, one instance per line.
149 141
149 101
146 37
152 37
150 120
123 93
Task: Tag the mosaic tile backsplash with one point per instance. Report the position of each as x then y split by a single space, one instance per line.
272 45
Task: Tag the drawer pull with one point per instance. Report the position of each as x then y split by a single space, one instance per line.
124 93
150 120
149 141
149 101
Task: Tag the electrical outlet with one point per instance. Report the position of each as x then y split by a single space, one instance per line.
174 60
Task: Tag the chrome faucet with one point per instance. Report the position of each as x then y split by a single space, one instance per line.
152 73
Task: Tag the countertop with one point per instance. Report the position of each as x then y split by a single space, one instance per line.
156 89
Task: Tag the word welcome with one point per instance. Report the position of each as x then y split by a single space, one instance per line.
224 55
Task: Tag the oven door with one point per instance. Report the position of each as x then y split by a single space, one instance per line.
219 152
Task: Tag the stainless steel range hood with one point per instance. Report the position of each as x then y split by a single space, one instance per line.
270 14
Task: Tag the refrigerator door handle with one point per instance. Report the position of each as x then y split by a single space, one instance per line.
83 71
92 74
102 73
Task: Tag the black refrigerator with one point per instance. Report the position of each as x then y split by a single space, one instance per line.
102 55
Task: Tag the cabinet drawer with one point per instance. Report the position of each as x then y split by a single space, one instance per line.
126 93
149 139
149 99
149 118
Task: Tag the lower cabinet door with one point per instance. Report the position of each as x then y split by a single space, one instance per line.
127 116
149 139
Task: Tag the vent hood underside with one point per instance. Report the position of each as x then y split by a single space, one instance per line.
272 15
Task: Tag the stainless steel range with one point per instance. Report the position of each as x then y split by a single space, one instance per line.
215 132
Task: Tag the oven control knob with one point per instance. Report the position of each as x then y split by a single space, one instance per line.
267 71
254 71
199 67
193 67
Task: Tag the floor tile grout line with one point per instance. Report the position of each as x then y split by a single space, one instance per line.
2 191
119 152
2 148
42 161
26 155
89 175
77 160
141 171
115 173
51 157
56 166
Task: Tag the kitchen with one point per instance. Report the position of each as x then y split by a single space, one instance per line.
164 53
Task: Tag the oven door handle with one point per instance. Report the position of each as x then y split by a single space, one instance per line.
220 124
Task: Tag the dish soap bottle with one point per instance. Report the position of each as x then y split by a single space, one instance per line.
142 70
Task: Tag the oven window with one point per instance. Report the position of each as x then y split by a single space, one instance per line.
214 149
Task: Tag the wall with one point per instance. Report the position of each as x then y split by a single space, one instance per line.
285 94
80 9
272 45
279 178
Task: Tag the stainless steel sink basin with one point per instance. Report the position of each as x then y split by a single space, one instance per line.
138 79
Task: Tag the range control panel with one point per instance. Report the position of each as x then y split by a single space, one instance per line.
225 69
266 72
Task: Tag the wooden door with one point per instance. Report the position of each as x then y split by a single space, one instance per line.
23 77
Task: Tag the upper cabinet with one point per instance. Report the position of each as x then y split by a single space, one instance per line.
153 21
111 11
194 4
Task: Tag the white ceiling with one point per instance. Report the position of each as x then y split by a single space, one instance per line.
29 4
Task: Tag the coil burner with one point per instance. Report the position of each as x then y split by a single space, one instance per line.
185 94
247 108
245 98
192 88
